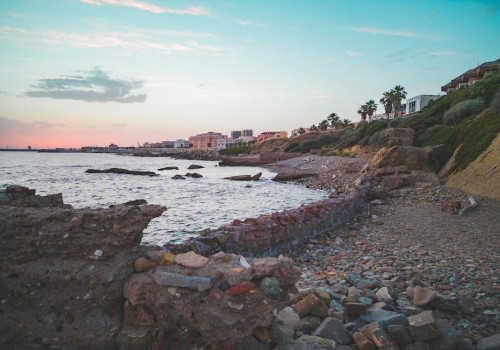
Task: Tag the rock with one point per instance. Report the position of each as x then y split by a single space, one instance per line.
489 343
353 295
137 202
400 334
331 328
309 323
383 295
121 172
399 136
239 178
194 166
139 315
325 343
423 296
451 207
466 305
449 338
52 286
136 337
143 264
178 177
288 317
240 289
382 340
270 287
445 303
397 319
355 309
167 258
322 294
169 168
423 326
290 344
311 304
281 177
363 342
191 259
414 158
193 175
263 335
164 278
256 177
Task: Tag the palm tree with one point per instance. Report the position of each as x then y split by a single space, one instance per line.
387 102
399 94
346 123
323 125
334 120
362 111
371 107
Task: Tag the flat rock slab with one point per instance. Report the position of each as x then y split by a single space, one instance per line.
121 171
191 259
179 280
332 328
424 327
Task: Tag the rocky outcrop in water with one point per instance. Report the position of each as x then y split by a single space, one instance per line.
244 177
121 171
62 270
169 168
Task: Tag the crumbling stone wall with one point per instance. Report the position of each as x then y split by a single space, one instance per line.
271 235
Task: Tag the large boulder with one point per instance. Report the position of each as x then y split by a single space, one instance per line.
62 270
413 158
399 136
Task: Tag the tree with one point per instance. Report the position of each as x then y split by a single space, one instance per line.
398 94
334 120
371 107
302 131
323 125
387 102
362 111
314 128
346 123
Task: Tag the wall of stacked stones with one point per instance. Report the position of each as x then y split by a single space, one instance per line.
271 235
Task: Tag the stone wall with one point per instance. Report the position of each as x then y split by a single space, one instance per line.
271 235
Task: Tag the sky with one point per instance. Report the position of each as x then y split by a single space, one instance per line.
93 72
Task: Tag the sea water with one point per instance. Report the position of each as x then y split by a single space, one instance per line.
193 204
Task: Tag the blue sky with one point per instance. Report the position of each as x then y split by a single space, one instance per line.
92 72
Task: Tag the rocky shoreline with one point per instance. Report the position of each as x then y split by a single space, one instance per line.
389 279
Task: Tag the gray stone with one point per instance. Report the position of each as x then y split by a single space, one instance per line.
290 344
324 342
364 284
383 295
448 340
353 295
170 279
424 327
309 323
355 309
400 334
288 317
490 343
379 315
444 303
335 305
466 305
332 328
340 289
390 320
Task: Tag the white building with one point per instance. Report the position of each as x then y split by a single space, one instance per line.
225 143
181 144
417 103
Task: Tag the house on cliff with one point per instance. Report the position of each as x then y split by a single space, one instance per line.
471 76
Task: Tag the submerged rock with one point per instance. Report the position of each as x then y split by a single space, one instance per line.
121 171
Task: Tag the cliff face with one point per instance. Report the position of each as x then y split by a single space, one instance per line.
482 176
62 270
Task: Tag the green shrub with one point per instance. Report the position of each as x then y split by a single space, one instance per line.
234 151
377 139
394 123
495 102
463 110
309 145
328 139
371 128
361 124
292 146
338 154
422 139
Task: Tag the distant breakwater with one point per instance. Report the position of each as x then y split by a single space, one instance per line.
271 235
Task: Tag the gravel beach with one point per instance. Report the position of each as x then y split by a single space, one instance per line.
405 240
